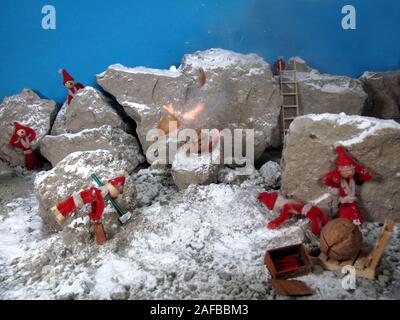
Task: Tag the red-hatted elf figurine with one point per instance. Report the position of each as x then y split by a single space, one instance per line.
275 202
279 66
96 197
22 138
345 176
70 84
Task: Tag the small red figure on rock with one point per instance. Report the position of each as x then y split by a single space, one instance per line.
70 84
345 176
96 197
22 138
275 202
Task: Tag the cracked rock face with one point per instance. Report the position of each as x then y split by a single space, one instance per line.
239 92
89 109
324 93
309 153
123 145
383 90
28 109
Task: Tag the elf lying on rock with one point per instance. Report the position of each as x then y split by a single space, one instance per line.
347 173
22 138
70 84
277 203
95 196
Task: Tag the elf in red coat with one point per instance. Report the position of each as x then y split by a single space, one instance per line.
70 84
95 196
22 138
347 173
275 202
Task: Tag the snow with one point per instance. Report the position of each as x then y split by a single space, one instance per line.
144 70
205 242
219 59
368 126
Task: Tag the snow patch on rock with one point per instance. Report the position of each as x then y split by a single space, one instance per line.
368 126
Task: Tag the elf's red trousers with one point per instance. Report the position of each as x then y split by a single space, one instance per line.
92 196
350 211
31 161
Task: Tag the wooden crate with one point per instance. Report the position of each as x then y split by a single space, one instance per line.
366 261
279 262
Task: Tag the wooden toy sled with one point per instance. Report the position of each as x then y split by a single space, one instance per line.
366 261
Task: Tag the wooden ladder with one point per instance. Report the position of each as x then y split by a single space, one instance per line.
289 110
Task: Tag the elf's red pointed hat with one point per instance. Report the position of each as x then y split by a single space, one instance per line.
268 199
28 131
344 161
66 75
118 181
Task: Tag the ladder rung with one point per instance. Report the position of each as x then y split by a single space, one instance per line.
289 119
289 82
289 93
290 106
287 70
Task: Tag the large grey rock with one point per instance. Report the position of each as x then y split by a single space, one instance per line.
121 144
383 90
89 109
309 153
28 109
193 169
271 172
324 93
74 174
239 92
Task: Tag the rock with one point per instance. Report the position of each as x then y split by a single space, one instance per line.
89 109
324 93
30 110
188 275
121 144
309 153
73 174
147 186
383 90
271 172
301 65
225 276
193 169
239 92
231 176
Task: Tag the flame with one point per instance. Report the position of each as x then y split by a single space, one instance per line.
189 115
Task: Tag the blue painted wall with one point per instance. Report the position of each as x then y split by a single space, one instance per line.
92 34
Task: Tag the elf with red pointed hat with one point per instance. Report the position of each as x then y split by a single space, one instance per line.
345 176
22 138
70 84
275 202
96 197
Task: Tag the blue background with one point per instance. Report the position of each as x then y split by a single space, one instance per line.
91 35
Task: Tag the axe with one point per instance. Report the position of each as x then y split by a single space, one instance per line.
123 216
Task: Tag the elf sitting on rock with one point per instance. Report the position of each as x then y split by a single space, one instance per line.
69 83
275 202
22 138
95 196
345 176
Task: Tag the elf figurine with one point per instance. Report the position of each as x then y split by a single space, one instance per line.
347 173
275 202
22 138
95 196
69 83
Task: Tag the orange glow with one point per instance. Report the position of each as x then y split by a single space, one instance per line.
189 115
